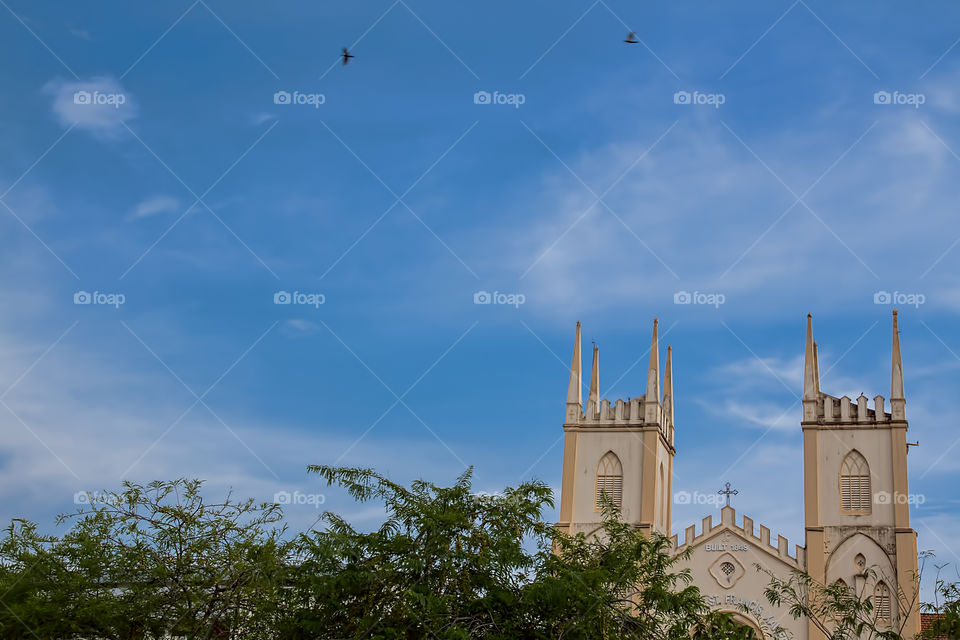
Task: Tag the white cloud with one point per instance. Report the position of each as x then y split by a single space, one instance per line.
99 105
300 326
260 118
155 205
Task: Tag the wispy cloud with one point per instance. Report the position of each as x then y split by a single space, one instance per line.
155 205
99 105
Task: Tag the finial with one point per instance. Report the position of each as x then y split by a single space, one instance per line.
727 491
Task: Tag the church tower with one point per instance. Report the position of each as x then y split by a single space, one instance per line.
624 450
855 493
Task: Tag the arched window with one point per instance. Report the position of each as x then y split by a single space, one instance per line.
855 494
881 601
609 480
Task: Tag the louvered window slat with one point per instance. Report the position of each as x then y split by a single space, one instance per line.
609 481
855 493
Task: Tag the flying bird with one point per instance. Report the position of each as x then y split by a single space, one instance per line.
346 56
632 38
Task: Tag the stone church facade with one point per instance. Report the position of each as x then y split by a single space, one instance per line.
856 512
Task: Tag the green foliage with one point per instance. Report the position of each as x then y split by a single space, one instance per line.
146 561
449 564
837 610
946 607
158 561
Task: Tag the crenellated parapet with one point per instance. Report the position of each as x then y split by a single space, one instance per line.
843 410
728 521
643 412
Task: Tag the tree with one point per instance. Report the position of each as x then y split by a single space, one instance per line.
147 561
451 564
946 609
837 610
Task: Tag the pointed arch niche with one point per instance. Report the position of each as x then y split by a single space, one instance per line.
609 481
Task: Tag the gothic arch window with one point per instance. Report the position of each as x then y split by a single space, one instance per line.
855 494
609 481
881 601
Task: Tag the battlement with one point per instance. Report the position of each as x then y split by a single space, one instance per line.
843 410
645 411
728 519
631 411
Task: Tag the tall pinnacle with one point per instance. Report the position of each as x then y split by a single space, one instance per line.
594 396
811 377
652 411
668 389
574 397
816 367
653 372
897 398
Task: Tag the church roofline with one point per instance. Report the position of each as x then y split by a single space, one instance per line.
728 520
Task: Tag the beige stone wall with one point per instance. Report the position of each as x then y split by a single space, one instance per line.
724 542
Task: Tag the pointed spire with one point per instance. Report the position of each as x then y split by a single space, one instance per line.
594 396
897 398
811 377
653 372
574 398
816 367
652 412
668 389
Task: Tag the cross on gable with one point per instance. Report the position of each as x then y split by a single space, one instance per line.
727 491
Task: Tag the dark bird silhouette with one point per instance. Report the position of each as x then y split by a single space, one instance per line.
346 56
632 38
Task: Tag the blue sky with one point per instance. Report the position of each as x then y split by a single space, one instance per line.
190 192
